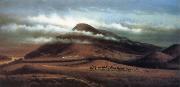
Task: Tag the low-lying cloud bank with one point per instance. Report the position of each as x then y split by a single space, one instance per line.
159 29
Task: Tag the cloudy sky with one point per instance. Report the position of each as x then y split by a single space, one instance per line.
150 21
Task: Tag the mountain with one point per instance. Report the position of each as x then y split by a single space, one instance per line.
173 50
153 60
94 46
88 28
99 59
174 63
175 60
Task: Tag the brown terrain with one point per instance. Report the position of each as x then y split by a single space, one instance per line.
100 62
4 59
173 50
153 60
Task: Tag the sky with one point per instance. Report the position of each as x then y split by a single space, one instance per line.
149 21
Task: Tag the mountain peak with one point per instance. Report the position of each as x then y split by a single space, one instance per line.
87 28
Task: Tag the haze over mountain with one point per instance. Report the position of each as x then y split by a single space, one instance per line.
93 43
38 21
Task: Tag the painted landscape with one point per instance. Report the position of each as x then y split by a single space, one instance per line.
89 43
